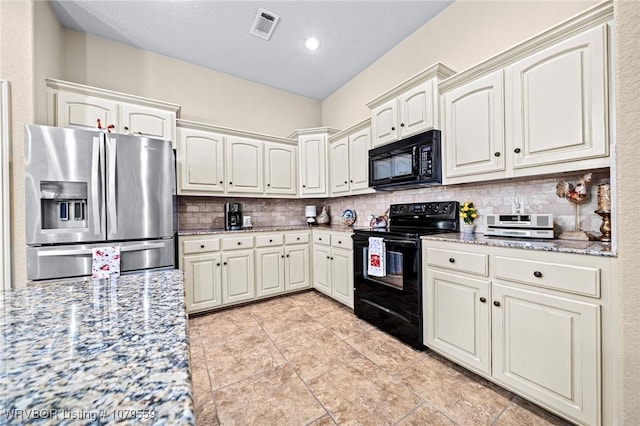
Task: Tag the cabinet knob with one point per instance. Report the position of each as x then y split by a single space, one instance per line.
483 300
496 303
345 182
401 124
224 263
537 274
497 154
230 183
221 182
298 238
304 186
393 129
218 264
339 241
328 257
517 150
332 258
270 241
351 180
287 255
452 260
319 238
268 184
201 245
282 256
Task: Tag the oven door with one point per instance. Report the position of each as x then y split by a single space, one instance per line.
399 289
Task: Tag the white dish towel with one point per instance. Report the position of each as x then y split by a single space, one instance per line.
105 262
376 265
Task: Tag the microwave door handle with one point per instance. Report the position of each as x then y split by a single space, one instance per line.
416 161
112 208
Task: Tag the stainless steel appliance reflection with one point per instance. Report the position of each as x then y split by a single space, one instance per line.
87 189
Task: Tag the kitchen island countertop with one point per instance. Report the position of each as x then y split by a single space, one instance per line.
96 352
593 248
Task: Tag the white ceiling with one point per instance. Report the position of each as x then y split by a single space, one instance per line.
215 34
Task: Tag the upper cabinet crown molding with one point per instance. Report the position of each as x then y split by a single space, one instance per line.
233 132
329 131
597 15
437 70
349 130
83 89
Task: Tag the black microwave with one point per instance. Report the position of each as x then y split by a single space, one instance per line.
408 163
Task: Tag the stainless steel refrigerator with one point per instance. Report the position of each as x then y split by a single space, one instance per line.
86 189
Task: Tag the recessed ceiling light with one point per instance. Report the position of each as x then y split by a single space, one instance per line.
312 43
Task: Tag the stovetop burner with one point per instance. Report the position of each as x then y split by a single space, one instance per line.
413 220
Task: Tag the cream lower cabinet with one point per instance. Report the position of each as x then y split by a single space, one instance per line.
202 278
333 265
534 322
238 279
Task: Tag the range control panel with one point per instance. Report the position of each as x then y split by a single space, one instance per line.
447 209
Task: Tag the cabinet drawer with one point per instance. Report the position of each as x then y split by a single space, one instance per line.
297 238
237 243
200 246
342 241
269 240
472 263
572 279
322 238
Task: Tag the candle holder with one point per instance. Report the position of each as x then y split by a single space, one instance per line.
605 227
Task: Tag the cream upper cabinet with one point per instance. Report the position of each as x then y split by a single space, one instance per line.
313 154
349 160
281 172
541 107
473 127
148 121
244 165
407 109
78 105
558 104
200 156
339 166
80 110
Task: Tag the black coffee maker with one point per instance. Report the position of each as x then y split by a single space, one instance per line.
232 216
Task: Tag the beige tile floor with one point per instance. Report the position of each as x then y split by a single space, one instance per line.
305 359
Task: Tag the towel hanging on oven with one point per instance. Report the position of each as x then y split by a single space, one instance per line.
376 265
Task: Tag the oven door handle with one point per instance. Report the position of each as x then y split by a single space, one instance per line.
386 240
387 310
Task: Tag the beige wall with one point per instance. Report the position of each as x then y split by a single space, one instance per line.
30 49
205 95
627 300
464 34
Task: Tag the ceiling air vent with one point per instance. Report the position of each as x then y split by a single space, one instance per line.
264 24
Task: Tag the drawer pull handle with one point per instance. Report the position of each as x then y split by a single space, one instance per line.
452 260
483 300
201 245
537 274
496 303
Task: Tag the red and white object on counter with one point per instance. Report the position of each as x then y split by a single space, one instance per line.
105 262
376 265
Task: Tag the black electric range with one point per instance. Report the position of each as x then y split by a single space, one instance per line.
392 300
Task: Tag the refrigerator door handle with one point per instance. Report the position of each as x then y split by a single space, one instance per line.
65 252
140 247
111 189
96 195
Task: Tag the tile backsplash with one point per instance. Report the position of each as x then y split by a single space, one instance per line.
537 195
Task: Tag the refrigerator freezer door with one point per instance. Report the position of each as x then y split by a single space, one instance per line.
45 263
140 188
63 186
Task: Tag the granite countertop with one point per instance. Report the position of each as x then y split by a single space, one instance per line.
96 352
277 228
593 248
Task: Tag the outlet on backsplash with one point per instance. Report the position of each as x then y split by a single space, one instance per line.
517 206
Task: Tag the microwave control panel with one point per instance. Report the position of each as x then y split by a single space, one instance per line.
426 161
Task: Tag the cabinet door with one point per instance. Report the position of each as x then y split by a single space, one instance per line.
384 123
417 107
457 318
270 271
559 108
238 282
151 122
342 276
202 281
280 169
313 165
76 110
339 166
473 128
244 161
322 268
297 267
548 347
359 146
200 161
